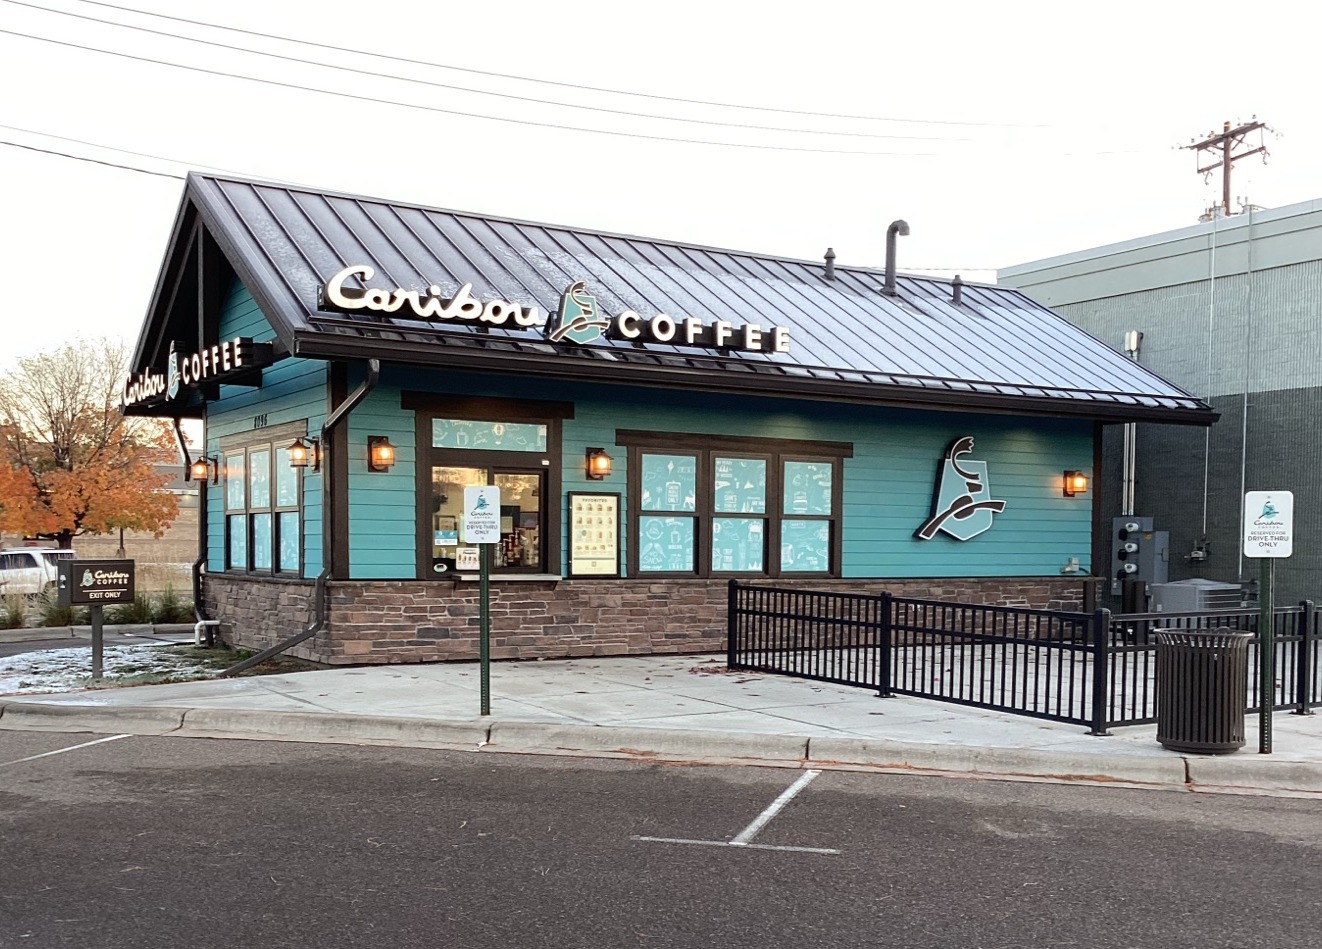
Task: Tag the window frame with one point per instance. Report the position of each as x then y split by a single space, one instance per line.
275 440
707 448
428 406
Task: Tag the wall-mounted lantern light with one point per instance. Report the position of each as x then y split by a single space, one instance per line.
598 464
380 453
206 468
305 454
1075 482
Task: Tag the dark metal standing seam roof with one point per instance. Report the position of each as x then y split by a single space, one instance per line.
997 351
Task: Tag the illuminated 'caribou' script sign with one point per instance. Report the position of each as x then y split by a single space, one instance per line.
426 304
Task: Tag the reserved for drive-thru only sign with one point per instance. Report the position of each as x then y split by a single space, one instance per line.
482 515
1268 524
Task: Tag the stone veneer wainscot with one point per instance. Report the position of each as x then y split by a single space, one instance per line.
382 621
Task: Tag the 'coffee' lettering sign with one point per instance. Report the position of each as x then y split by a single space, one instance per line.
224 360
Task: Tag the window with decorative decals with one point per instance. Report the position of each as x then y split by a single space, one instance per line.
710 506
475 441
263 509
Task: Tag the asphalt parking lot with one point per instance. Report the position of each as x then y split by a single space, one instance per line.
143 842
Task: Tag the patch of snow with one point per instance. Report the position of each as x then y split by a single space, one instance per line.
70 670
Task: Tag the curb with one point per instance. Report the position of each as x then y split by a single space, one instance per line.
330 728
535 738
33 716
1021 762
1240 775
1233 773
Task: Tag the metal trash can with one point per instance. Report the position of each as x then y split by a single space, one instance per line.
1202 688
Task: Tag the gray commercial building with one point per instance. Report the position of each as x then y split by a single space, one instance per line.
1231 310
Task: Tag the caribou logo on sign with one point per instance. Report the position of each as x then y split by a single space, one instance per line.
172 374
577 319
962 504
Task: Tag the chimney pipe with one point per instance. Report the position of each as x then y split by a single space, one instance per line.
901 228
830 263
957 290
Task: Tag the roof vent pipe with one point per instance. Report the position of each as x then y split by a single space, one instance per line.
830 263
957 290
900 228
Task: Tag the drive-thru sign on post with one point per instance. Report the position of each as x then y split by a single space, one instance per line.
482 527
1268 535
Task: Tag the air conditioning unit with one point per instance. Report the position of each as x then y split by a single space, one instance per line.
1195 596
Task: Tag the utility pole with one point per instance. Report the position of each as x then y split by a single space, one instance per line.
1226 143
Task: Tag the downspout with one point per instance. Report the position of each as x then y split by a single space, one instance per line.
327 527
196 572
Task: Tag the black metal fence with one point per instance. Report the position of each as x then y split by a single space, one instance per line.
1092 669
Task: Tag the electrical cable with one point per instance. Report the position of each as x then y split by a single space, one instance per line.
95 161
480 92
551 82
471 115
112 148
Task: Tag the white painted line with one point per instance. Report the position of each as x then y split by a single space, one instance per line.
731 843
762 819
47 754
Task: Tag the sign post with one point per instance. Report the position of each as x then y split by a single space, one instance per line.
94 583
1268 535
482 527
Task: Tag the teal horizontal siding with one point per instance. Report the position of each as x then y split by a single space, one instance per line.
887 485
382 504
292 390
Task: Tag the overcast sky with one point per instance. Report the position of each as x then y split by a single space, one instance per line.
1002 133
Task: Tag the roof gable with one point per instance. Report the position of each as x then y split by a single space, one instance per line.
996 350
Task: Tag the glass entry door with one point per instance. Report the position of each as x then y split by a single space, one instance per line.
522 525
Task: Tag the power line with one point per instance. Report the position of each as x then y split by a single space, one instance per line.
471 115
122 151
548 82
469 89
95 161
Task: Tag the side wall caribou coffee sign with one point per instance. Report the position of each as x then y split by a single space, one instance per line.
578 320
216 363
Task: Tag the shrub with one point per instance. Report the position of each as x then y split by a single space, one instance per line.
139 611
13 611
171 609
52 614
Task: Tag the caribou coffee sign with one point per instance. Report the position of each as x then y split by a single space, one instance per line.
189 370
578 321
427 304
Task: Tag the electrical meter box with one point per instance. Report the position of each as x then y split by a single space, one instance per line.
1138 552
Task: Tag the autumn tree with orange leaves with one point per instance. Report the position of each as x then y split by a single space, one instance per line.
70 462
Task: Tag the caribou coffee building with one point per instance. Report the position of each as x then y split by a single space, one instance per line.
659 418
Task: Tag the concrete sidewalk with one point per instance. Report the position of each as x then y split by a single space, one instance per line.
686 708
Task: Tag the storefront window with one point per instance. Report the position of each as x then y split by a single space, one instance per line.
808 505
521 546
264 521
712 511
471 441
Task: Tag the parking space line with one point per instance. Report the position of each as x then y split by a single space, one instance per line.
749 832
60 751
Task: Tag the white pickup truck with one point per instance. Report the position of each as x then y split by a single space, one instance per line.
30 571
